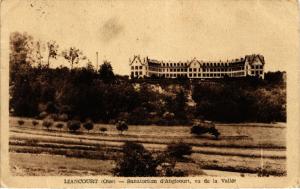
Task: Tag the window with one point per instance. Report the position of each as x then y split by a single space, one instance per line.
136 73
141 73
141 67
167 64
171 64
195 75
190 75
136 67
199 75
190 69
132 67
204 70
252 72
195 69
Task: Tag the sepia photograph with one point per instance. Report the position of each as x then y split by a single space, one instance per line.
148 88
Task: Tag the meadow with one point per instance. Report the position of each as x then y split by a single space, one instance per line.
242 149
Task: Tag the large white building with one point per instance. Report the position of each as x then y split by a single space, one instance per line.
250 65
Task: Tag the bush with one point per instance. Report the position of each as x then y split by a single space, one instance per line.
21 122
59 126
122 126
136 161
203 129
103 129
214 132
179 150
34 122
88 125
74 125
48 123
43 115
198 130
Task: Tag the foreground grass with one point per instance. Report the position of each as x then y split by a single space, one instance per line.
238 150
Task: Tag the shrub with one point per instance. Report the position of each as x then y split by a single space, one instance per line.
43 115
214 132
88 125
201 129
198 130
136 161
74 125
122 126
48 123
103 129
59 126
21 122
34 122
179 150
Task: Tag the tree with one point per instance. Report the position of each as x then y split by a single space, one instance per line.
136 161
73 125
34 122
88 125
106 72
73 56
180 105
48 123
122 126
59 126
52 51
21 122
179 150
103 130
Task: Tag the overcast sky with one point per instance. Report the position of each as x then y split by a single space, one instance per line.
163 30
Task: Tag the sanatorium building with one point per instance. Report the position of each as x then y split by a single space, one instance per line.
250 65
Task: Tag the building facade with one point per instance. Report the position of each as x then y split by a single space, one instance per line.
250 65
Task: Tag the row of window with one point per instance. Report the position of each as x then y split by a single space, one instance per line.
136 73
257 67
204 64
256 72
190 69
136 67
203 75
204 69
199 69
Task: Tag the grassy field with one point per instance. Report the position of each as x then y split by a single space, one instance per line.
242 149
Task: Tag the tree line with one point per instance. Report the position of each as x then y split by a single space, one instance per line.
100 95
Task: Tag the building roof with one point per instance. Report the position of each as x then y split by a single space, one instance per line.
253 57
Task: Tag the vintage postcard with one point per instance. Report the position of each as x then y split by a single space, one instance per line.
146 93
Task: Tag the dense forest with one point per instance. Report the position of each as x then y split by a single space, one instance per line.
98 94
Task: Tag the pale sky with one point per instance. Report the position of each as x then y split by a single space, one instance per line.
164 30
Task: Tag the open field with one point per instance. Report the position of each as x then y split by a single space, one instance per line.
242 148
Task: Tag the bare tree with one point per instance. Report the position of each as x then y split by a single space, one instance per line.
73 55
52 51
